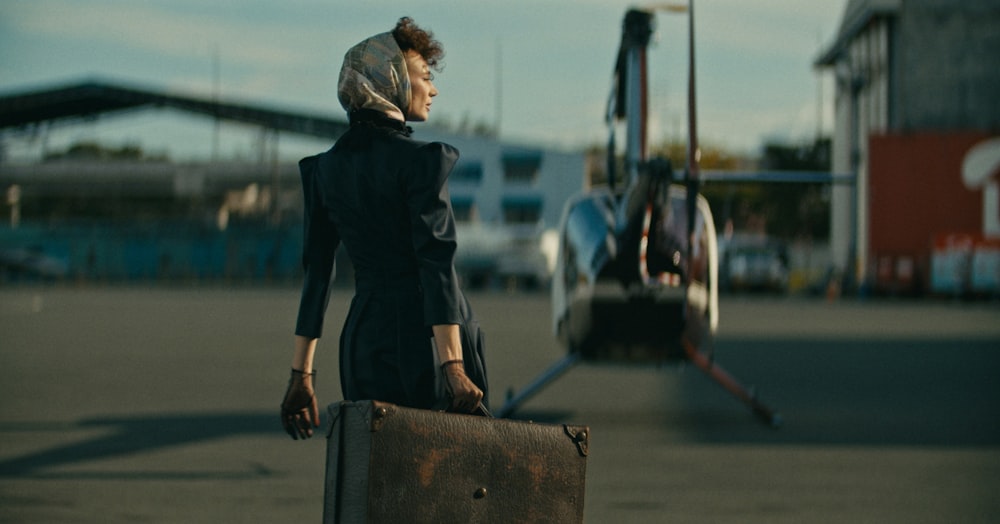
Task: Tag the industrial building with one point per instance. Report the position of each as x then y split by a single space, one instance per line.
155 219
917 119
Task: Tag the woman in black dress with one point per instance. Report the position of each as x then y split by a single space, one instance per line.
410 337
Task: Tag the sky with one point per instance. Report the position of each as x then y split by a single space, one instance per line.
541 69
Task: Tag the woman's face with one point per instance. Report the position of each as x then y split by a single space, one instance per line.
421 87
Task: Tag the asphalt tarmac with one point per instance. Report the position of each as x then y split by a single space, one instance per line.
161 405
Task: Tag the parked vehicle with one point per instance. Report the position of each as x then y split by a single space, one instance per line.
755 265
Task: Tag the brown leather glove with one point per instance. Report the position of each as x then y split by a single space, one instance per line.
299 411
465 395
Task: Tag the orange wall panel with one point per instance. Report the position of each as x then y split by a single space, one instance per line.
916 191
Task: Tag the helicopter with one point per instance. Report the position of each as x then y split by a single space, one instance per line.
637 271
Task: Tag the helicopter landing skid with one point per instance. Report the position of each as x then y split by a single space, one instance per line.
549 375
716 373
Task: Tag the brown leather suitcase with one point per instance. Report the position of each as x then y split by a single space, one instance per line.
387 463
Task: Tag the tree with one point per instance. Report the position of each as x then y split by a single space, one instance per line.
799 209
87 150
784 210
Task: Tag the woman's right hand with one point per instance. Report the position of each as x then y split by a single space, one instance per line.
465 395
299 409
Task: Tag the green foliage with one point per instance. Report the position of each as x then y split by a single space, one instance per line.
780 209
88 150
786 210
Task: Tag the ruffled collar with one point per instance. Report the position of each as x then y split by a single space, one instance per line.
374 118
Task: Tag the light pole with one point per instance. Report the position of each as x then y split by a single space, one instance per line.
14 201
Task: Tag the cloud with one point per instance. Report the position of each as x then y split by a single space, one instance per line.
754 58
155 28
778 28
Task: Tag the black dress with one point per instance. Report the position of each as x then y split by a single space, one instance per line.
385 196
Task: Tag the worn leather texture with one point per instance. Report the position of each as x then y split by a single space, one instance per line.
387 463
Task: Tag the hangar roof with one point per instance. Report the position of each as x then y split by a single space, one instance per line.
857 15
27 109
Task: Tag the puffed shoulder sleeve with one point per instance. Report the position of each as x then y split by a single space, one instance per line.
433 231
319 247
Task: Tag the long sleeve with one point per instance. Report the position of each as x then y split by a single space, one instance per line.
433 231
320 241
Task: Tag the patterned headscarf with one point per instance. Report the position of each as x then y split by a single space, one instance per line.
374 76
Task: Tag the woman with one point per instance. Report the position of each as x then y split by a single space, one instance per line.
384 195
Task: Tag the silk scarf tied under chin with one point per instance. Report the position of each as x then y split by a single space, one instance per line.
374 76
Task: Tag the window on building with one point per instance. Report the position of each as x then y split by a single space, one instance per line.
464 207
521 166
467 172
522 209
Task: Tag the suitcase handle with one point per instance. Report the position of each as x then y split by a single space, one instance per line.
444 405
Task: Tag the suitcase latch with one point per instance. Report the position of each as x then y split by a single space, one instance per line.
580 435
379 415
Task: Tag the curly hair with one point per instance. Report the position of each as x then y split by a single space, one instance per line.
410 36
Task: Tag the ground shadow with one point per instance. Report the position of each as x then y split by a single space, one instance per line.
131 435
917 392
842 391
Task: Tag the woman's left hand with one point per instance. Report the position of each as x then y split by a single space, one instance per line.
465 395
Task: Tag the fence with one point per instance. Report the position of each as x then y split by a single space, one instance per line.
169 252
